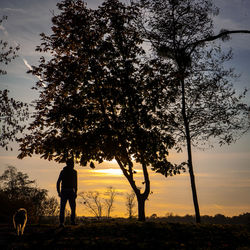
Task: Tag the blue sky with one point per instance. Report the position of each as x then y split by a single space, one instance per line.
223 174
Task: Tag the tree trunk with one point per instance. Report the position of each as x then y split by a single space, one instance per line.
141 208
192 180
141 197
189 151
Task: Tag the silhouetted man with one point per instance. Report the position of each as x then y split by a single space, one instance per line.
67 191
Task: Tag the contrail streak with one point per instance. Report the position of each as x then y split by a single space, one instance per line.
27 64
29 67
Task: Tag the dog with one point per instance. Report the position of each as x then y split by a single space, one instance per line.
19 220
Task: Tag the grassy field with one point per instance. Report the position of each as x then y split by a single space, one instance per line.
128 235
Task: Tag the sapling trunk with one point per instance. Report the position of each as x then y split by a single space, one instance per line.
189 152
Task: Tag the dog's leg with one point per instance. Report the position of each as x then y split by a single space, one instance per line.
18 229
24 223
22 229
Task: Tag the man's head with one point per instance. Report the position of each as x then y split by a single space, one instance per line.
70 162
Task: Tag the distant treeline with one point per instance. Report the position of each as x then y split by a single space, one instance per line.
243 219
217 219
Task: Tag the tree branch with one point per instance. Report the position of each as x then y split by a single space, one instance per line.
220 35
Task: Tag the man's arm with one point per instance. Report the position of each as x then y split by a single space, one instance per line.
75 183
58 184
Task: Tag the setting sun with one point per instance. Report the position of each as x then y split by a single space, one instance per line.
109 171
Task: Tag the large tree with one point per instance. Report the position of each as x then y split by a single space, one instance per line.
98 95
181 32
12 112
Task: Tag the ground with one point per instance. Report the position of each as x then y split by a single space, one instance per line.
123 234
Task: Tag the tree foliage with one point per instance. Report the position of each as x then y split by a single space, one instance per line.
12 113
50 207
17 190
182 33
7 53
99 94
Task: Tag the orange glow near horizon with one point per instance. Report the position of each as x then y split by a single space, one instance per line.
111 172
108 171
222 180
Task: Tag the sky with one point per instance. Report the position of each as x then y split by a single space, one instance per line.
222 173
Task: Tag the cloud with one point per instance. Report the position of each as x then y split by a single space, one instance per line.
13 10
226 23
234 16
6 33
2 28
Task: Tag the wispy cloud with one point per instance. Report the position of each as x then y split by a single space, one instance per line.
6 33
13 10
2 28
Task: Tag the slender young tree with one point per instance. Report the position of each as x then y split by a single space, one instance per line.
130 204
93 202
98 95
181 32
110 194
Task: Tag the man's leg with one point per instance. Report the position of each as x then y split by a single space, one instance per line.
62 209
72 203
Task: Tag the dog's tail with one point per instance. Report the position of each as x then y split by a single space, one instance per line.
14 221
